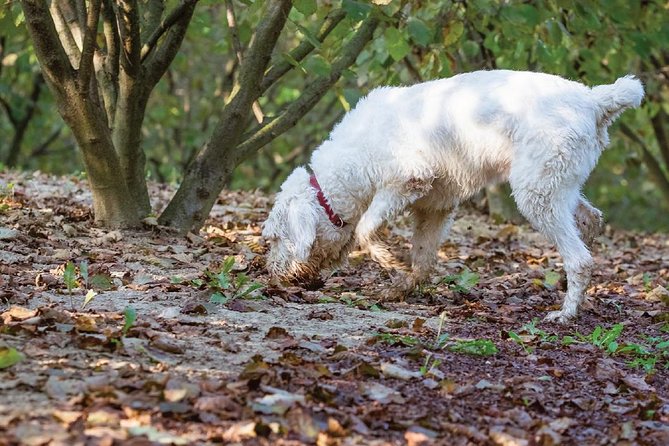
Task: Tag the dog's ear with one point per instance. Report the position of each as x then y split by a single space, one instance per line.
301 229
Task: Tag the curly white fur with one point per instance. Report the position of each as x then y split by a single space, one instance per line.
430 146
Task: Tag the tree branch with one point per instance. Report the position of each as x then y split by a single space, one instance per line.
312 93
656 173
128 24
302 50
175 16
247 88
10 113
65 32
53 59
159 59
42 148
658 121
237 47
88 47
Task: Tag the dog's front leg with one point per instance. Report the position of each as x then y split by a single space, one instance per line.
385 204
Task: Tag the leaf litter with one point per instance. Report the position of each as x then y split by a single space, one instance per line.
143 337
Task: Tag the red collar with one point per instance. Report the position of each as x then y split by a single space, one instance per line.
334 218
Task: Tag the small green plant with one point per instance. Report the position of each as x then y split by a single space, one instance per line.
9 356
604 339
531 332
647 282
74 276
463 282
226 285
129 318
393 339
439 343
70 277
476 347
515 337
646 356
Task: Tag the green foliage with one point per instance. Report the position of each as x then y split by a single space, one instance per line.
393 339
463 282
590 41
646 356
9 356
605 339
475 347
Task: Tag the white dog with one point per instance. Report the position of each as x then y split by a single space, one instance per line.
430 146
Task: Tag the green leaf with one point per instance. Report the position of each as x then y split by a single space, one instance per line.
241 280
476 347
611 335
294 62
355 9
453 32
306 7
228 264
83 271
419 31
222 280
318 65
468 279
522 15
70 276
551 279
9 356
219 298
311 37
396 43
251 288
101 282
130 315
470 48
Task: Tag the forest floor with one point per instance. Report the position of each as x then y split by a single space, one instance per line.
144 337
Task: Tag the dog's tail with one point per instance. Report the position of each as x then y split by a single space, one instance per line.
626 92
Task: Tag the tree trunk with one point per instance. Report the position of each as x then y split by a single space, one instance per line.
127 139
114 205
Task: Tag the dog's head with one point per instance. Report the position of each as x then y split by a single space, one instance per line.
301 238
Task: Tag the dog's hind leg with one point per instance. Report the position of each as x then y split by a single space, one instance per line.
551 211
430 228
589 221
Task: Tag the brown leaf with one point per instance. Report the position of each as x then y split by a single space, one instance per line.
16 313
277 333
60 388
164 343
637 383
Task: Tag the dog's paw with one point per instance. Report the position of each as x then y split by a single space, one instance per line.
401 287
561 316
